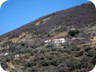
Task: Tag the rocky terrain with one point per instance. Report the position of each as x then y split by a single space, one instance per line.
64 41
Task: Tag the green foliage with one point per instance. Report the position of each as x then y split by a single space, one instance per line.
73 63
45 50
84 62
7 43
91 53
31 63
50 61
94 60
63 68
45 62
41 21
55 62
73 32
9 57
48 34
79 54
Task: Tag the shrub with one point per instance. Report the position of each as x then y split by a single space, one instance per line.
61 50
79 54
45 62
26 50
91 53
94 60
44 50
73 32
55 62
63 68
84 62
31 63
9 57
73 63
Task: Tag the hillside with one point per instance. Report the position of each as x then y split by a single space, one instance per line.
64 41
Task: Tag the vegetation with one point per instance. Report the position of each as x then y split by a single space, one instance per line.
73 32
30 52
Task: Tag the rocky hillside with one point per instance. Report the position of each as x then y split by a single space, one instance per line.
64 41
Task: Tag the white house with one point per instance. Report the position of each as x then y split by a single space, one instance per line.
47 41
94 38
6 54
58 41
73 38
17 55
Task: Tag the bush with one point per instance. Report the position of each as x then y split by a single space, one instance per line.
61 50
79 54
52 61
26 50
44 50
73 63
45 62
93 60
63 68
84 62
31 63
55 62
73 32
9 57
91 53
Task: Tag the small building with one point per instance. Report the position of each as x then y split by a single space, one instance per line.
17 56
94 38
6 54
47 41
55 41
59 40
73 38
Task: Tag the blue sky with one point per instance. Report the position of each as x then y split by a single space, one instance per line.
15 13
